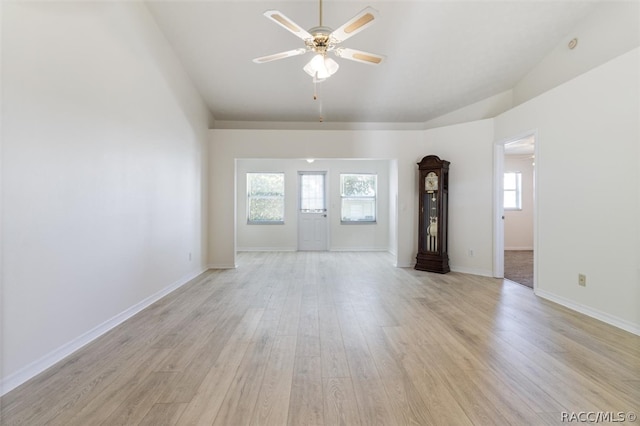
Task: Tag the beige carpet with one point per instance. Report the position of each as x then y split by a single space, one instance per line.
518 266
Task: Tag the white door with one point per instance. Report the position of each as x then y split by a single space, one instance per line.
312 211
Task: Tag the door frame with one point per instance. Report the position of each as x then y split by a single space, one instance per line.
498 207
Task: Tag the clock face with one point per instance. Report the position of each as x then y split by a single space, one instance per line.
431 182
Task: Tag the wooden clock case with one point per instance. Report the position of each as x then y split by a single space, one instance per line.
433 215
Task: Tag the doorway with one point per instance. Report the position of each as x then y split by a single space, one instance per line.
514 235
312 211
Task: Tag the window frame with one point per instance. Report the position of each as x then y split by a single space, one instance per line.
517 191
250 196
344 197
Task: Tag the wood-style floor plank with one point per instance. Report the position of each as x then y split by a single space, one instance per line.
340 405
332 352
240 400
163 415
318 338
139 401
305 406
272 406
203 408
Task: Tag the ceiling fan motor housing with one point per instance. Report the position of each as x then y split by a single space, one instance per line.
321 42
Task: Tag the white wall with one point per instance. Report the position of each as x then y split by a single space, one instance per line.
393 208
103 150
373 236
518 224
467 146
588 179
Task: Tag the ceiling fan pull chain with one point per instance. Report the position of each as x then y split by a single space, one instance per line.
317 98
316 80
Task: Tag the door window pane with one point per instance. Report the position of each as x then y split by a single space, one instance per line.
312 193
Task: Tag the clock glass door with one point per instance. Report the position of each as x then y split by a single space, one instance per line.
430 203
431 220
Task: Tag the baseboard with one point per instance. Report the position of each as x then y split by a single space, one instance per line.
594 313
14 380
267 249
361 249
518 248
222 266
291 249
461 269
472 271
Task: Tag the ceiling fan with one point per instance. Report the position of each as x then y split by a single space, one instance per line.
322 40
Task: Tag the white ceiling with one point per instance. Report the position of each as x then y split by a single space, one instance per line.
441 55
524 146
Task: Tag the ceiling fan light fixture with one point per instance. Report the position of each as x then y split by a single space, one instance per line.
331 65
321 67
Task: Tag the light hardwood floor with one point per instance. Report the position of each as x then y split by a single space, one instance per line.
316 338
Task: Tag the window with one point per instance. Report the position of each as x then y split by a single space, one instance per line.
513 191
265 198
358 192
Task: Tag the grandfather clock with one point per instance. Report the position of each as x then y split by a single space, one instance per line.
433 215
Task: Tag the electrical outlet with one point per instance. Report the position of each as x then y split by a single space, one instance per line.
189 256
582 280
470 252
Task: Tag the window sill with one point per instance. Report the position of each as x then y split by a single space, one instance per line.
358 222
275 222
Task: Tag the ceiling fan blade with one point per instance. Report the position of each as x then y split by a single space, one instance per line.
362 20
286 23
281 55
359 56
